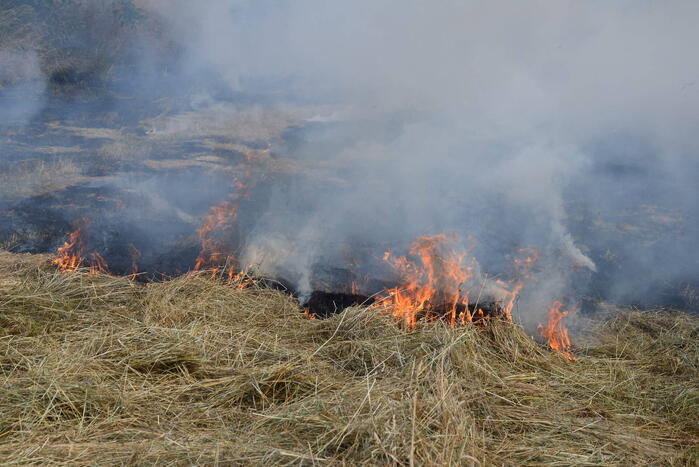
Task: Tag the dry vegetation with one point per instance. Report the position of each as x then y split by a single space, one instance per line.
37 177
99 370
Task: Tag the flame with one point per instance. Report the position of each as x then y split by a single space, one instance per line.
214 248
523 266
432 281
436 277
71 256
555 332
97 264
522 270
215 244
308 314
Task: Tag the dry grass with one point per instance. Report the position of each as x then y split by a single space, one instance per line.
99 370
37 177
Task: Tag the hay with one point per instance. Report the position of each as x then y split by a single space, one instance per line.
99 370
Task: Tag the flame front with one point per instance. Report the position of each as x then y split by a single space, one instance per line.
432 282
555 332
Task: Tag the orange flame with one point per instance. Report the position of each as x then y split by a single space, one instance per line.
521 270
523 266
308 314
213 247
432 283
97 264
436 276
555 332
71 256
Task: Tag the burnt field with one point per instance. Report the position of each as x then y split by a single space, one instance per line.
150 184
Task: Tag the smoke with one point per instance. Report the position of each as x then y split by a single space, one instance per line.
547 124
22 85
476 117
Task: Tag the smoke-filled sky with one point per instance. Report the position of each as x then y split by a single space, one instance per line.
512 123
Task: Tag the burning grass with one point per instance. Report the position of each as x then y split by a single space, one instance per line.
102 370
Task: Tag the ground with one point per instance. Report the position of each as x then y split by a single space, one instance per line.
102 370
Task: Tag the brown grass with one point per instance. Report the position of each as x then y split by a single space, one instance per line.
99 370
36 177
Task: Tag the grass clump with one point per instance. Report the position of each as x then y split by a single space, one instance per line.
99 370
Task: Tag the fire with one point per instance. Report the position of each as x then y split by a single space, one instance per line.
214 248
218 226
240 279
308 314
555 332
433 278
522 270
72 255
441 280
97 264
522 266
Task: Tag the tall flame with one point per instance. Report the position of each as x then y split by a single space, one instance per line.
69 257
97 264
555 332
214 249
214 233
73 254
432 282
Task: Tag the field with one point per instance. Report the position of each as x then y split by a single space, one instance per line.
102 119
101 370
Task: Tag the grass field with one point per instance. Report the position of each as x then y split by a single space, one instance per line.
101 370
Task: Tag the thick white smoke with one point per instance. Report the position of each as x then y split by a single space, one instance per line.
469 116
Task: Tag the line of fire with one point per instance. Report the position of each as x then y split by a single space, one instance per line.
433 278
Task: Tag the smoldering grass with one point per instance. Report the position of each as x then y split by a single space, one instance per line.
101 370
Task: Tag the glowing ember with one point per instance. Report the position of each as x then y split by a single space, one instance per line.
555 331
